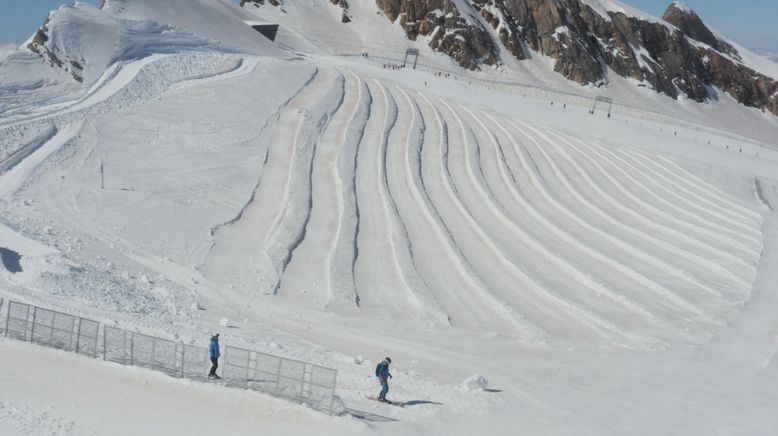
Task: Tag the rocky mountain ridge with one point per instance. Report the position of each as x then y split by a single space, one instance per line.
676 56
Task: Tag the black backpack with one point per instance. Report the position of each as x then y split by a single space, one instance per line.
378 369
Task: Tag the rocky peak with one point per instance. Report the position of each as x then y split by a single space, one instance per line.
684 18
585 43
458 33
40 45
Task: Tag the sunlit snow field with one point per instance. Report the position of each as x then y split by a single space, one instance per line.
607 275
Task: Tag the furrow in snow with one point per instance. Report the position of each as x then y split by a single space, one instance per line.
345 251
472 192
704 263
660 220
307 278
577 277
650 259
669 298
378 273
745 230
397 132
290 231
460 230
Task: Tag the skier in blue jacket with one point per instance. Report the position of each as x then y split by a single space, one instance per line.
382 372
213 353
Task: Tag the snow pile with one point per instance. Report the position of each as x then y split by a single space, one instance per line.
474 383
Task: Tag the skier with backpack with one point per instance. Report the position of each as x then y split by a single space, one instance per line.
382 372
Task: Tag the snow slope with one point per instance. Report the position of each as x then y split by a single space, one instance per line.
6 49
606 275
312 27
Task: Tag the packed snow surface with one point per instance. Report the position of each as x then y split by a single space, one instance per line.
606 275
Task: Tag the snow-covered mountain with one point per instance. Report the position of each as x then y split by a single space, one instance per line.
773 56
587 40
166 169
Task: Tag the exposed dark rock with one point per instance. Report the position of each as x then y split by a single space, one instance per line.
583 43
692 26
39 45
261 2
460 34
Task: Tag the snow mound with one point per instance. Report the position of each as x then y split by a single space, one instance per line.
474 383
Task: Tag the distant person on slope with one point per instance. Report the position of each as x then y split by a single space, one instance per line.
213 353
382 372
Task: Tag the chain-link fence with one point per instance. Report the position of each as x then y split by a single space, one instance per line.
286 378
18 321
290 379
194 362
88 337
117 345
132 348
51 328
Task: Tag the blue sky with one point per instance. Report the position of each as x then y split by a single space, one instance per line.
751 23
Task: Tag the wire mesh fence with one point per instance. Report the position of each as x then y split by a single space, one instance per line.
290 379
155 353
18 321
88 336
194 362
294 380
117 345
51 328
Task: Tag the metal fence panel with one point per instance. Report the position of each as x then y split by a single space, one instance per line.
290 380
166 357
155 353
54 329
286 378
320 392
236 366
194 362
117 345
266 369
17 322
88 334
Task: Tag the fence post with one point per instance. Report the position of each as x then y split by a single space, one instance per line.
154 353
7 319
34 318
278 375
332 397
78 334
183 358
132 343
302 383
